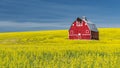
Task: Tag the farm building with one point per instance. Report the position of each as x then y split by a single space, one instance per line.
83 29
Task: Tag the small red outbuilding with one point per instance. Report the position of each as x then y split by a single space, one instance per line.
83 29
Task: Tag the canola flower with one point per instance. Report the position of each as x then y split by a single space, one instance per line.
53 49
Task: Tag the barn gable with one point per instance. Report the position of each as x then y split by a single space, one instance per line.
82 28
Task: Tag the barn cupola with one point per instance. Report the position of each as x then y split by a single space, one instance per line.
84 18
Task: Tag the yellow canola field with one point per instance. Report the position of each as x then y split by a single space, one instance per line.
53 49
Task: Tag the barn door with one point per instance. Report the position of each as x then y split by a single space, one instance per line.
79 35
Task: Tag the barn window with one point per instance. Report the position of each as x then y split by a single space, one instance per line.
93 26
71 32
79 24
87 31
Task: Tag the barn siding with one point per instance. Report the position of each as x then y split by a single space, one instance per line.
80 30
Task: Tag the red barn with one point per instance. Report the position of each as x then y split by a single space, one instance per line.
83 29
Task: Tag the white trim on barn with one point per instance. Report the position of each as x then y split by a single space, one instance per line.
85 34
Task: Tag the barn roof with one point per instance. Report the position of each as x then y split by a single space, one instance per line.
91 25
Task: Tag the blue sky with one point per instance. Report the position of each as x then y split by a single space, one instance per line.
23 15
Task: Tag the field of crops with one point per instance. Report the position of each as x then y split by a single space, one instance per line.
53 49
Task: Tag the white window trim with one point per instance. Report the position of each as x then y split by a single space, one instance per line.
87 31
79 24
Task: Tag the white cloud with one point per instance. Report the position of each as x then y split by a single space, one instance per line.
30 24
